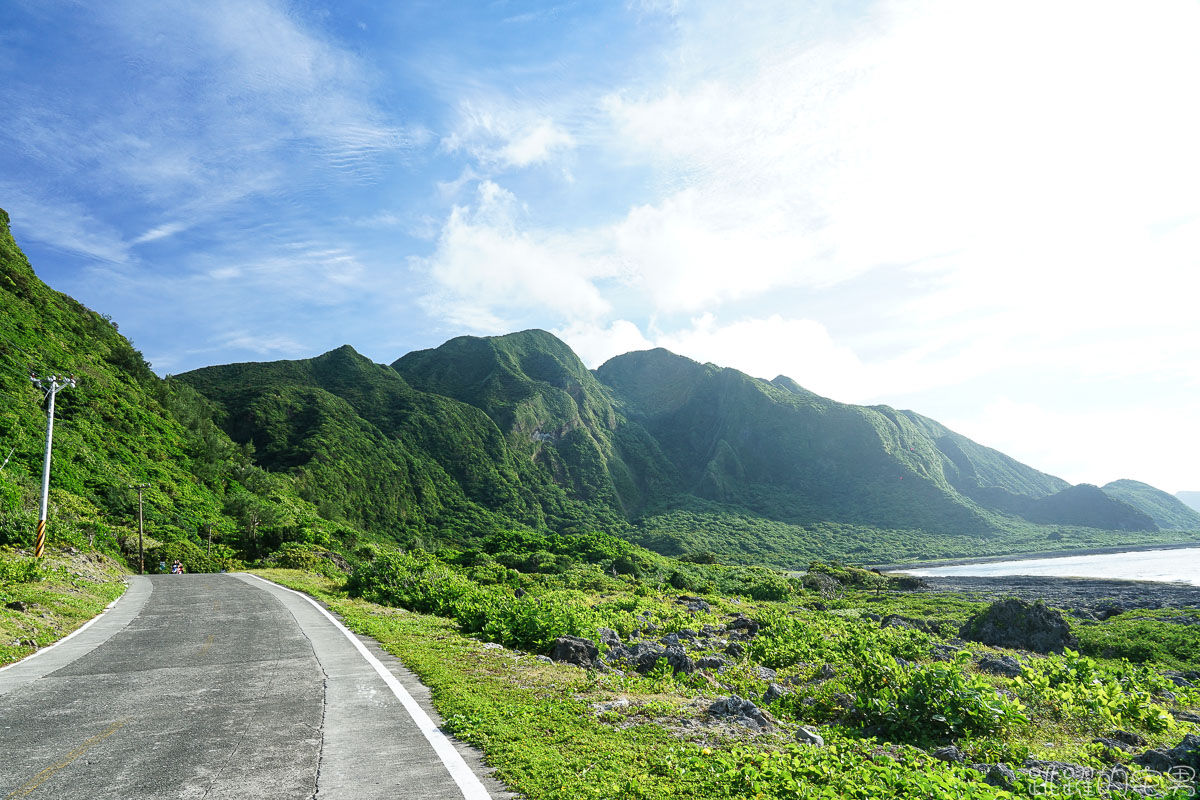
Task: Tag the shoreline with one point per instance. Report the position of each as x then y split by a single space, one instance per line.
1072 593
1032 556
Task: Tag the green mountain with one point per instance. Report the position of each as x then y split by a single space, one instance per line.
369 445
1189 499
791 455
486 432
364 446
785 454
553 413
486 436
1168 512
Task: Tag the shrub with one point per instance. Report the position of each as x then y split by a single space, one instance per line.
20 570
309 557
932 702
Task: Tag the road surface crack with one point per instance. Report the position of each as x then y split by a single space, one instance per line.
324 707
321 746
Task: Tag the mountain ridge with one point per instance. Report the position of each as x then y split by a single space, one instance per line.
484 435
652 439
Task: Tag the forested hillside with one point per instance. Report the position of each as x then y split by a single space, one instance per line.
122 425
688 459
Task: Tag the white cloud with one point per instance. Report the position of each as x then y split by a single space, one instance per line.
499 135
262 345
1093 446
596 343
1018 177
938 128
486 264
535 144
161 232
802 349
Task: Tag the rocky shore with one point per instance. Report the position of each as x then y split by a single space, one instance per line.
1072 592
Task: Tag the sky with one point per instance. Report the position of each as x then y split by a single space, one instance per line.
987 212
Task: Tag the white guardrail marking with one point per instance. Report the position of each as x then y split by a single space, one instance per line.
468 782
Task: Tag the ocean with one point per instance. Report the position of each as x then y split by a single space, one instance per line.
1181 565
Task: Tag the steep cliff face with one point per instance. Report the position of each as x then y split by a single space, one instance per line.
552 411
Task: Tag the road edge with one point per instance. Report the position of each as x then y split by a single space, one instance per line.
460 771
137 591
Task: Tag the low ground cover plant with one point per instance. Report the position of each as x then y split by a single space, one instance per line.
877 672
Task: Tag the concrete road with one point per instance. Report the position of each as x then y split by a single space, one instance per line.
222 686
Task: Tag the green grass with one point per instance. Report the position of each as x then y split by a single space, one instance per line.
59 594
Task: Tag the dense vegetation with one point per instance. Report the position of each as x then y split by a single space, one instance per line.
121 426
874 670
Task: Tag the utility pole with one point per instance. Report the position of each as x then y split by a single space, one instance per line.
56 384
141 554
209 526
254 529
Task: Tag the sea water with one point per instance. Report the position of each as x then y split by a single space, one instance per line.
1143 565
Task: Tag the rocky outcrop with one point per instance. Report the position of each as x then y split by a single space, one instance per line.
950 754
1004 665
644 656
1185 755
608 638
807 734
1019 625
574 650
743 712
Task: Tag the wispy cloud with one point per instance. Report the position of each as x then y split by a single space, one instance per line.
499 137
161 232
200 107
263 345
62 224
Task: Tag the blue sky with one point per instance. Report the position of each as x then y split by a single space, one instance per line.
986 212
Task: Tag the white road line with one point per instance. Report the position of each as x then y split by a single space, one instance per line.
468 782
68 637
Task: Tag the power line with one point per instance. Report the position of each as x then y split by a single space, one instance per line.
32 359
12 360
